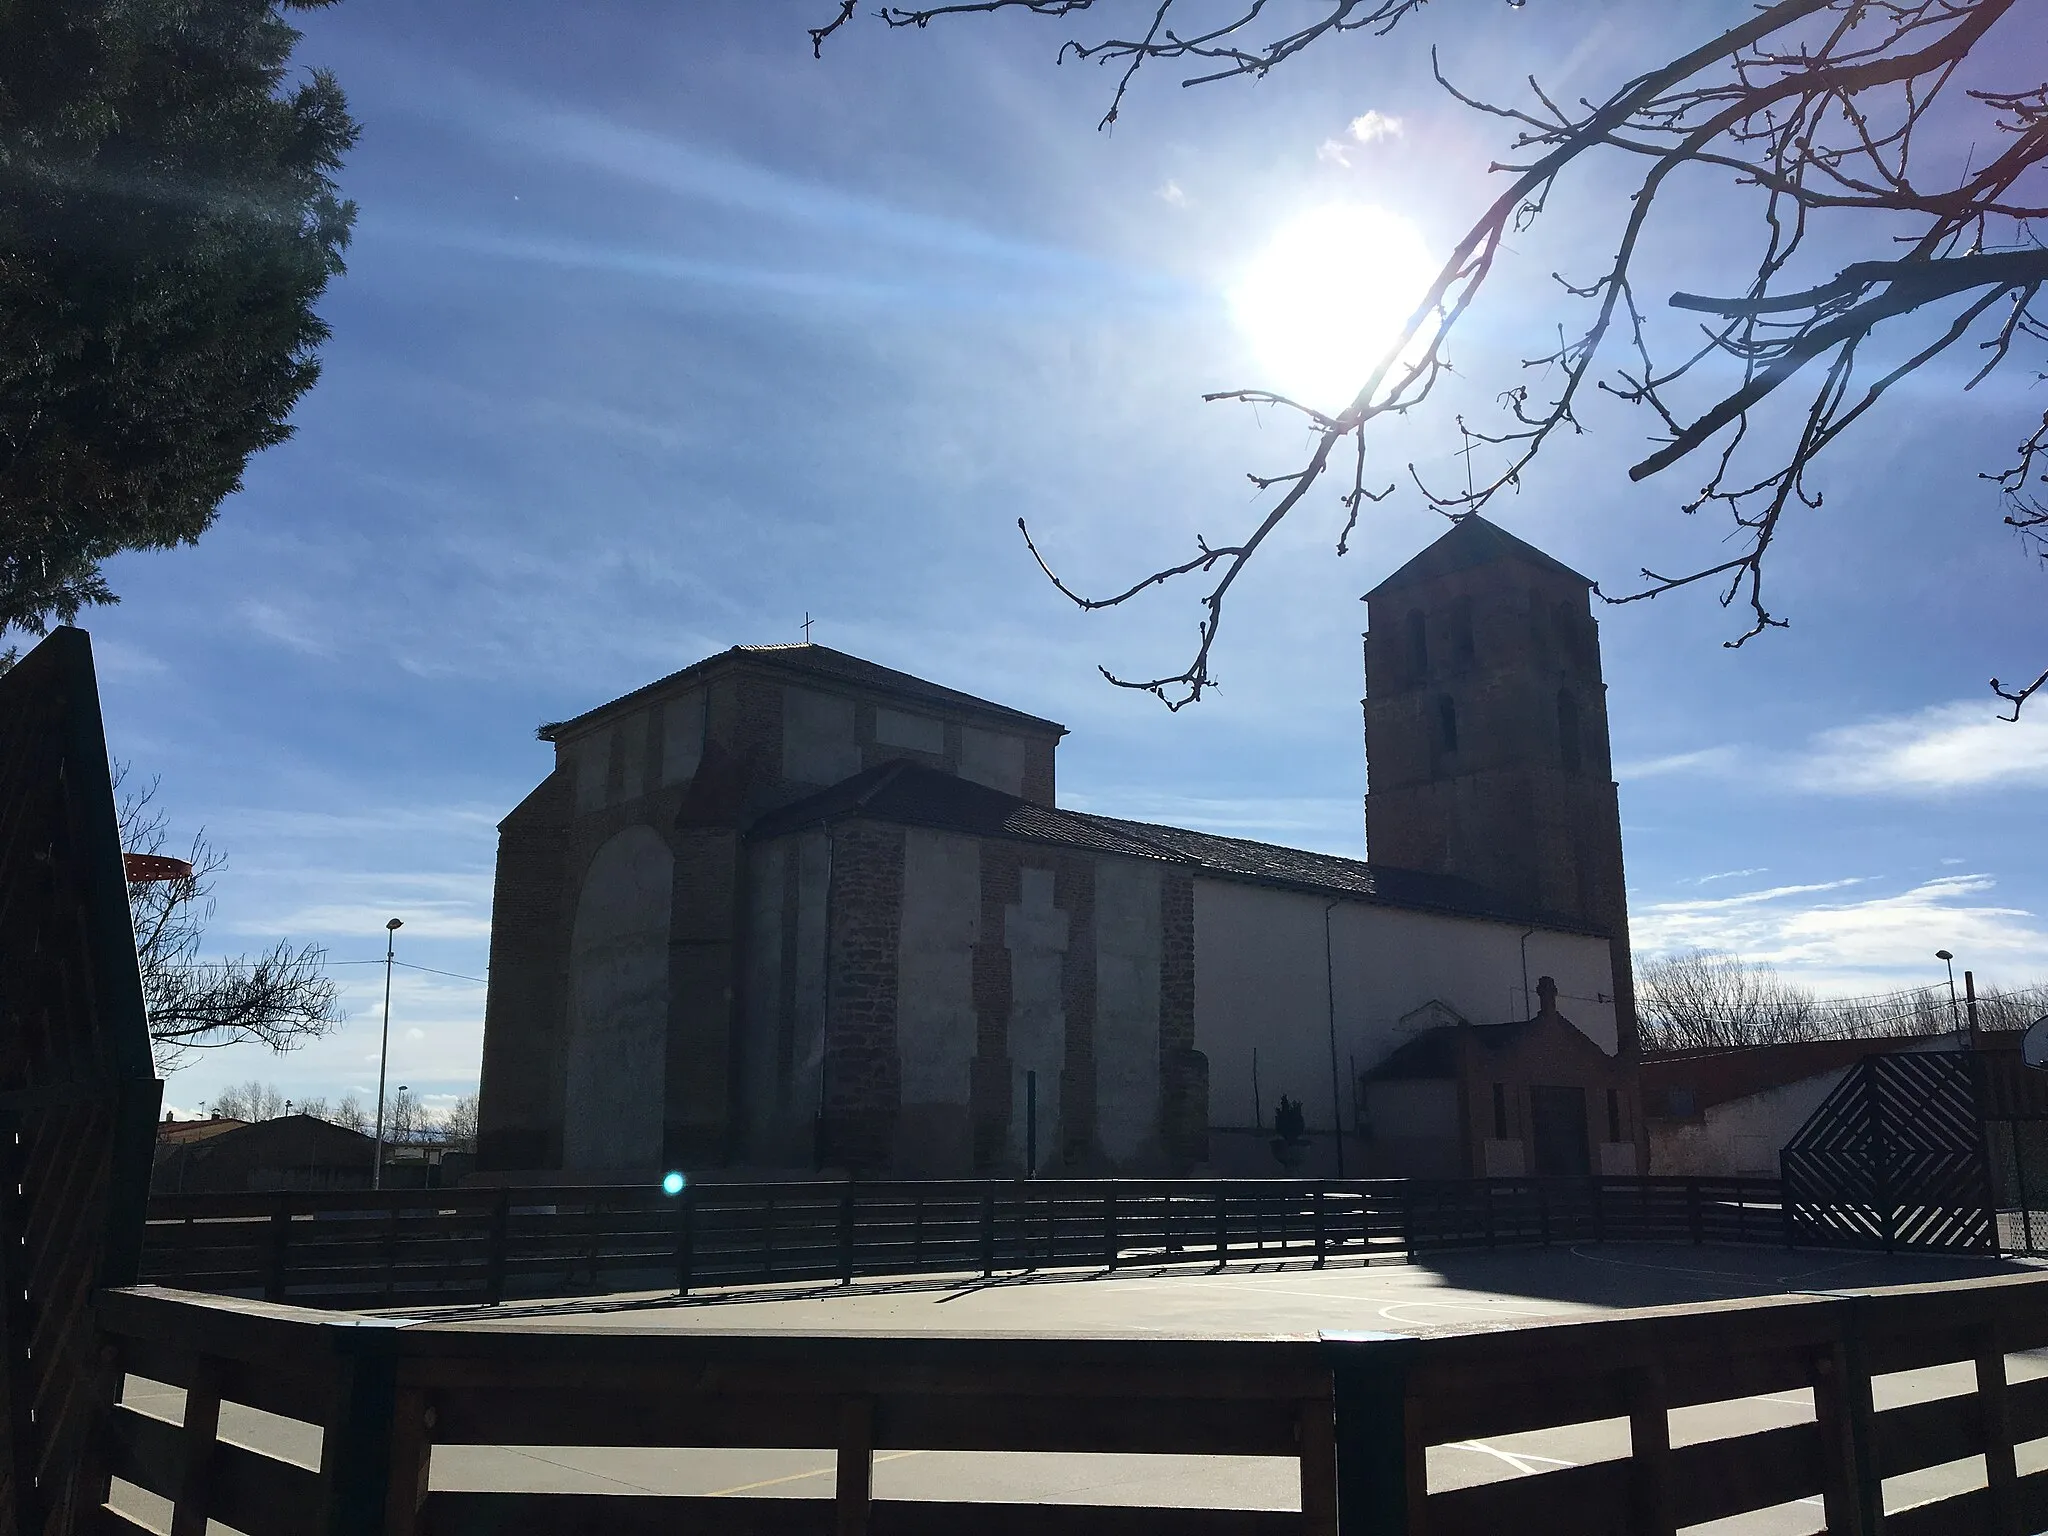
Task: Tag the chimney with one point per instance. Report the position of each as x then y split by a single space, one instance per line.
1546 998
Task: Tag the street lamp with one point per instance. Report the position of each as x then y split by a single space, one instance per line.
1955 1011
384 1051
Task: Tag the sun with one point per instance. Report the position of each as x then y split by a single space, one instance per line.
1328 293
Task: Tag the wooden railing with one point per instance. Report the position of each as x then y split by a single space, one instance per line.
397 1248
1360 1415
388 1398
1397 1399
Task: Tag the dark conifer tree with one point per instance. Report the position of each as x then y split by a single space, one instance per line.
168 219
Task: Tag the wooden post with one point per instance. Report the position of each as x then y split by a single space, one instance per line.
1381 1480
1222 1227
356 1443
198 1441
1316 1439
1109 1248
856 1467
1994 1409
412 1449
1852 1495
1649 1433
500 1241
279 1234
686 1238
988 1231
846 1235
1322 1242
391 1253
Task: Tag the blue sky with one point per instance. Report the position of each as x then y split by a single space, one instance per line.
658 335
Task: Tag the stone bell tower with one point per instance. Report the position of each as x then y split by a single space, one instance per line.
1486 733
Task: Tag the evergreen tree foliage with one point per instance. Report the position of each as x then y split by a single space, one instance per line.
168 218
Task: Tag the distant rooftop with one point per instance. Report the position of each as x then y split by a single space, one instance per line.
802 659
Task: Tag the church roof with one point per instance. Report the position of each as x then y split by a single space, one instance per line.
1471 542
806 660
911 794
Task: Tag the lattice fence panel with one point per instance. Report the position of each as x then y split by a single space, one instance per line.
1895 1158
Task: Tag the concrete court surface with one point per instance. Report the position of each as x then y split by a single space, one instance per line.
1246 1298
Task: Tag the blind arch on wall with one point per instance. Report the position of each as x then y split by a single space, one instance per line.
617 1058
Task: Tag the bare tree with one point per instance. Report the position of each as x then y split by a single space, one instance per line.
405 1118
251 1101
348 1114
458 1128
2001 1009
317 1108
1705 998
282 997
1844 120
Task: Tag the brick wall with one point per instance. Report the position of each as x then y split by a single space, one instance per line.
1183 1070
862 1080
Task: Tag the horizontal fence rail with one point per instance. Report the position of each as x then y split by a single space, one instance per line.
367 1249
1358 1415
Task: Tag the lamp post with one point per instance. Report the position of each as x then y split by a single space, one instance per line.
384 1051
1955 1010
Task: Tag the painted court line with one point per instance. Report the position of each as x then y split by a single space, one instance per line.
797 1477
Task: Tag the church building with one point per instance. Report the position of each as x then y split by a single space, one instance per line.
788 911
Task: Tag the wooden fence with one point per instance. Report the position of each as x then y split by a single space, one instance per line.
396 1248
1358 1415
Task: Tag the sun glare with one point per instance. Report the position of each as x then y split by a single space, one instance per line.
1325 297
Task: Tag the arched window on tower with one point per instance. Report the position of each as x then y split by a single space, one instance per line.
1567 632
1463 651
1447 722
1418 645
1569 749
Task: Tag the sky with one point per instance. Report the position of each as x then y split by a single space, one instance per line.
659 335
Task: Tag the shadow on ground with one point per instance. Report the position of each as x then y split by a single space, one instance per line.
1591 1275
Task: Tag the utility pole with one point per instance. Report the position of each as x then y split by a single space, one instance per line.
384 1051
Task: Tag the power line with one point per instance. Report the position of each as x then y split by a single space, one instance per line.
223 965
407 965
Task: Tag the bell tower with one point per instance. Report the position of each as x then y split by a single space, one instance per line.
1486 733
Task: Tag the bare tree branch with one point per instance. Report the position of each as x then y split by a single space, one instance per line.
280 998
1817 107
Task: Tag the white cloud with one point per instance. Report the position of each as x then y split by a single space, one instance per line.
1948 747
1371 127
1172 193
1942 749
288 630
1706 759
1738 874
1846 946
1367 128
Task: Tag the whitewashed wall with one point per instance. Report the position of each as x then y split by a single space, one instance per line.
1260 982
